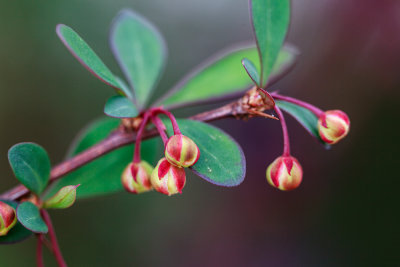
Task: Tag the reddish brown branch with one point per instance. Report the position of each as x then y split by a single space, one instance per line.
121 137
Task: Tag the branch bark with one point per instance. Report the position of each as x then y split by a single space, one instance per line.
121 137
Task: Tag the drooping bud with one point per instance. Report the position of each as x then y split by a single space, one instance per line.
63 199
136 177
285 173
8 218
167 178
181 151
333 126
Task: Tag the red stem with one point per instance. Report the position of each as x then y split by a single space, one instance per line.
286 142
160 128
174 123
39 251
318 112
53 239
136 155
120 138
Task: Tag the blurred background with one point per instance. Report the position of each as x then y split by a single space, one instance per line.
344 213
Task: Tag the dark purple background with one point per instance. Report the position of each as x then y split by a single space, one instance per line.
344 213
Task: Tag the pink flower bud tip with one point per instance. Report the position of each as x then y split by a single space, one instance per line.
285 173
333 126
181 151
8 218
167 178
136 177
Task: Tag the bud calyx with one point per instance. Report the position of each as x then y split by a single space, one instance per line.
285 173
181 151
8 218
167 178
136 177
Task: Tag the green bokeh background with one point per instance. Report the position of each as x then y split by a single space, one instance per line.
344 214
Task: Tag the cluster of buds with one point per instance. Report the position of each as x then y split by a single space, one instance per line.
285 173
168 177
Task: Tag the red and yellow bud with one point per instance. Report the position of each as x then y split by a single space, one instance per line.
285 173
8 218
167 178
136 177
333 126
181 151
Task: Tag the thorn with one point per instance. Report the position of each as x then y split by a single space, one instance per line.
262 114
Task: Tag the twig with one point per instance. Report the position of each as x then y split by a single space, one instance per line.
122 137
39 251
53 238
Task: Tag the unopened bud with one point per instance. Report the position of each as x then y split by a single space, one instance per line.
63 199
8 218
167 178
333 126
136 177
181 151
285 173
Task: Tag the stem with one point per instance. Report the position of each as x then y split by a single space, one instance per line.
160 128
318 112
53 239
39 251
120 138
174 123
286 142
136 155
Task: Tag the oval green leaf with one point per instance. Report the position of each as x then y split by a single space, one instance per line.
31 165
221 161
18 233
86 56
103 175
140 51
252 71
120 107
270 20
223 75
29 216
304 116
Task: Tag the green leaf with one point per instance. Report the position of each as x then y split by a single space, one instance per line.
63 199
103 175
125 88
304 116
18 233
223 75
221 161
87 57
120 107
140 51
270 23
31 165
29 216
252 71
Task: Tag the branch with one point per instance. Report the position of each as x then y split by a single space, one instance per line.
121 137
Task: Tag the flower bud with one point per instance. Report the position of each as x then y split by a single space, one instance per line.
181 151
285 173
136 177
167 178
333 125
63 199
8 218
